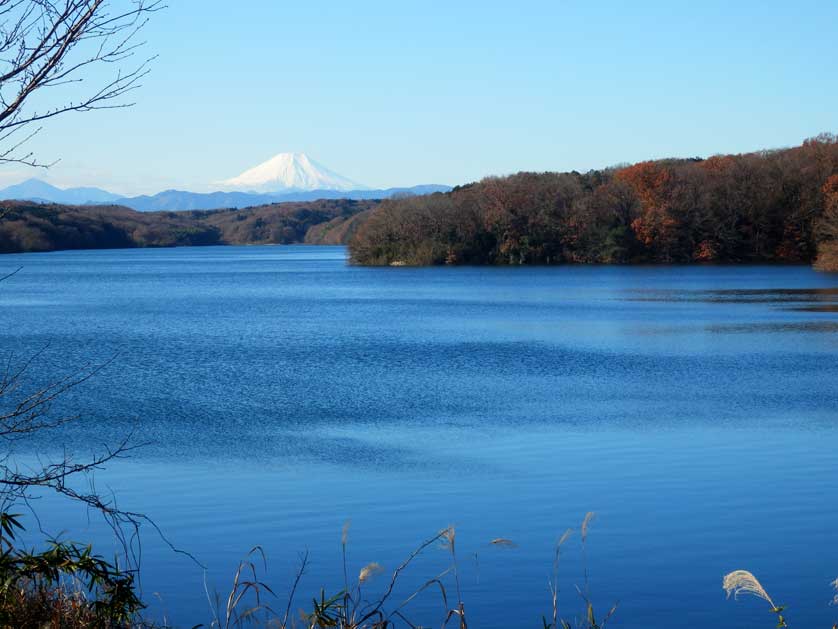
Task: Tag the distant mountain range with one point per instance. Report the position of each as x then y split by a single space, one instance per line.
285 177
182 200
42 192
37 190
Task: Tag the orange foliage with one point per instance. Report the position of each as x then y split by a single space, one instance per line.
757 207
828 226
651 182
718 163
705 251
793 246
830 190
827 257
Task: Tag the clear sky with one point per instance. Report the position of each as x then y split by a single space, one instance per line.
402 93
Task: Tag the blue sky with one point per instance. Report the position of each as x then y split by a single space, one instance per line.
402 93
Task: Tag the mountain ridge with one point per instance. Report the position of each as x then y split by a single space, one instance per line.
34 189
176 200
282 178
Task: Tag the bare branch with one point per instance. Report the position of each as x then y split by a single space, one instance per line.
26 413
51 44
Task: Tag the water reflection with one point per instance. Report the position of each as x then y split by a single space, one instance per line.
823 308
811 299
790 327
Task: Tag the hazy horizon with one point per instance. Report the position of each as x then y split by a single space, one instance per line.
397 96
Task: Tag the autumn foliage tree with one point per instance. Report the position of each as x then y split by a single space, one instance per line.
769 206
656 227
827 227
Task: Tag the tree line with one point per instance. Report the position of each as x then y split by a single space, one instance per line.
769 206
30 226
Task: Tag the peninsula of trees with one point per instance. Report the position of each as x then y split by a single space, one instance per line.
770 206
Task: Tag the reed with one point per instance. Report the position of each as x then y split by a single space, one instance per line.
744 582
68 586
349 609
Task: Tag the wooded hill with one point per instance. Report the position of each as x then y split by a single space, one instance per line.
769 206
48 227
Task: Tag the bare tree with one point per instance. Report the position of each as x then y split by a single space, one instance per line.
28 412
25 413
48 48
49 52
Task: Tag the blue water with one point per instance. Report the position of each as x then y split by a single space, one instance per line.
279 392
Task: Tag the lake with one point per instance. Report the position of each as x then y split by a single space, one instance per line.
279 392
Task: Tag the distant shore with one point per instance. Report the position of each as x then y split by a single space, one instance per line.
31 227
769 207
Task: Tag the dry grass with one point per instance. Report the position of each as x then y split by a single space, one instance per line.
369 571
248 600
67 604
589 517
743 582
29 605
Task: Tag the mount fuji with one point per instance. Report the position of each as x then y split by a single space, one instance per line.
289 172
284 177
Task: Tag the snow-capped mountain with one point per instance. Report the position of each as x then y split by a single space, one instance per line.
286 177
289 172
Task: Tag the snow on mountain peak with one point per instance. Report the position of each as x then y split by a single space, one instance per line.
289 171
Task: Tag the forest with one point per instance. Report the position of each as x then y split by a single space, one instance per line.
48 227
772 206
